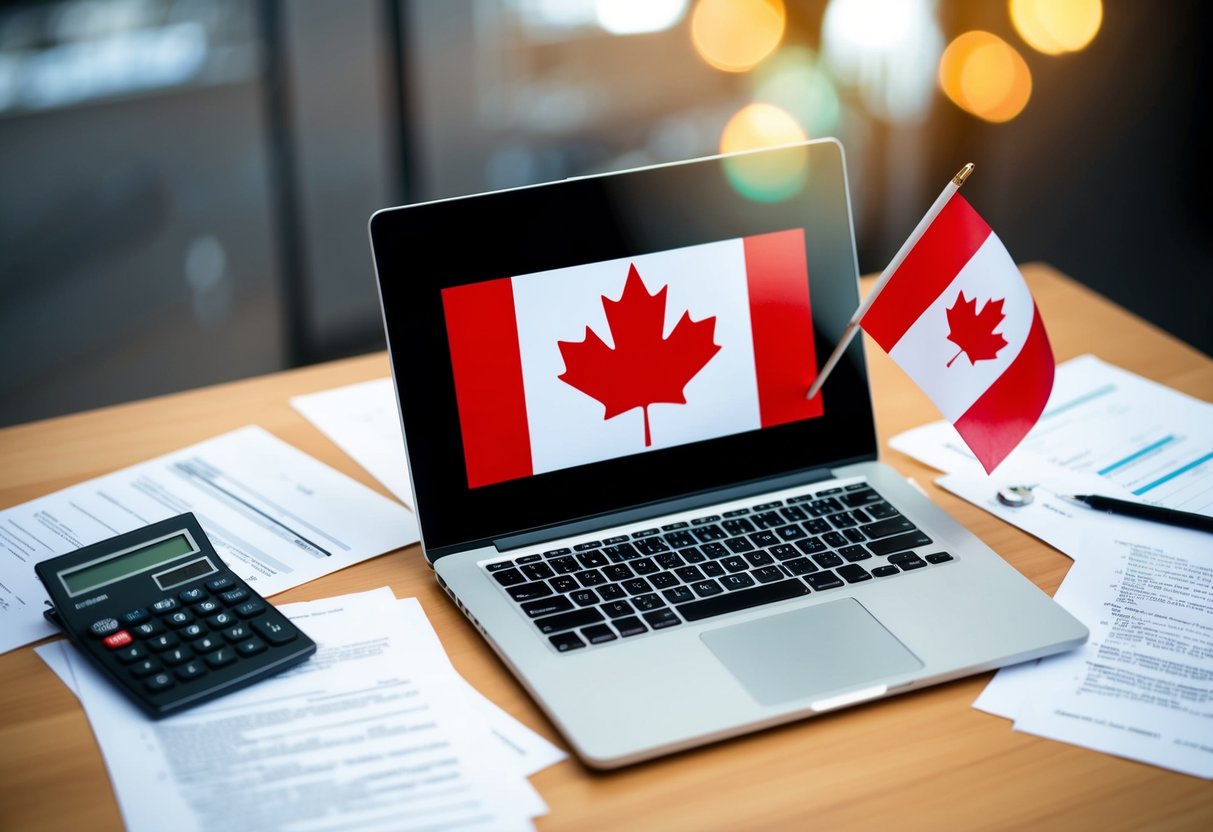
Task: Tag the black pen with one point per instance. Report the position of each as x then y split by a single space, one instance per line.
1143 511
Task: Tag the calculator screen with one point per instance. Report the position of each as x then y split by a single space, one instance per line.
131 562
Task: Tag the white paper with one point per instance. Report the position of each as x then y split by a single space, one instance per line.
373 732
363 420
1142 686
276 516
1149 440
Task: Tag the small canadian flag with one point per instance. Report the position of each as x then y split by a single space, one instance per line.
570 366
956 315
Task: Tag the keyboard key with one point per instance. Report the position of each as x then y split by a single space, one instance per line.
617 609
680 540
860 497
768 520
707 534
739 581
811 546
737 526
663 580
593 559
585 547
637 586
555 553
669 527
767 506
712 569
190 670
669 560
529 592
689 574
885 571
679 595
741 600
644 566
645 533
735 563
737 545
598 634
853 573
714 550
583 597
768 574
159 682
699 521
764 539
509 577
884 528
736 512
538 571
591 577
660 619
651 546
793 514
817 526
273 629
251 608
691 554
568 620
647 602
618 572
547 606
784 551
527 559
881 510
706 589
620 552
630 626
499 565
791 533
611 592
939 557
250 647
564 642
828 560
909 540
221 657
907 560
759 558
800 566
854 535
854 553
565 565
835 540
611 541
563 583
823 580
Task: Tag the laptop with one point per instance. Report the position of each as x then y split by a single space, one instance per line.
619 480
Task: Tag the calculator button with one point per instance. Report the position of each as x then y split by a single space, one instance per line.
222 620
176 655
207 607
192 631
119 639
179 619
148 629
130 653
162 642
238 633
104 626
222 656
191 670
251 647
134 617
273 630
164 605
251 608
235 596
206 645
189 596
220 584
145 667
159 682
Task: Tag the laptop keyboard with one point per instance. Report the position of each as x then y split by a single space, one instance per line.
598 592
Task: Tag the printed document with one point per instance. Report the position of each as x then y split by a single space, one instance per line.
277 517
1142 685
363 420
373 732
1153 442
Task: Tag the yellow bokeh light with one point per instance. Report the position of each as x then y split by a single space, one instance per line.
984 75
735 35
1056 26
764 177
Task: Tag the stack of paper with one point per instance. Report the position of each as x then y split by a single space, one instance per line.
1142 686
375 731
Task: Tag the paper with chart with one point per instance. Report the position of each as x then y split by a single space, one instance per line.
362 420
277 517
1142 685
1149 440
373 732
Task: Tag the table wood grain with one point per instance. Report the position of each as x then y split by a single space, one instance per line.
922 760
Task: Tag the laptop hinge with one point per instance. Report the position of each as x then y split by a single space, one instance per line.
658 509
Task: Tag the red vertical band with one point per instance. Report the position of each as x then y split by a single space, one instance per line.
1004 414
487 362
947 245
785 360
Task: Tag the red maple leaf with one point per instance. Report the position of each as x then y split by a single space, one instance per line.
974 333
643 368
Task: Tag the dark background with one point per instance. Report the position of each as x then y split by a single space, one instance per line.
185 184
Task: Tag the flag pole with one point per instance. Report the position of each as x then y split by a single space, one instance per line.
853 325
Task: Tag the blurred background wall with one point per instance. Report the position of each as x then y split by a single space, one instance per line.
185 184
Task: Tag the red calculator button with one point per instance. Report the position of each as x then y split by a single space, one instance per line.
118 639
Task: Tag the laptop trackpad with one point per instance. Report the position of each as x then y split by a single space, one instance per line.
806 653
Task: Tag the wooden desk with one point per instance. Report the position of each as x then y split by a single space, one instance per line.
925 759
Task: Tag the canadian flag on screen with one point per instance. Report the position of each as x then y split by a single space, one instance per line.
570 366
957 316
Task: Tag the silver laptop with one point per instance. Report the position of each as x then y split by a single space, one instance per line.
619 479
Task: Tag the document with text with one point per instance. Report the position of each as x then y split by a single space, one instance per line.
277 517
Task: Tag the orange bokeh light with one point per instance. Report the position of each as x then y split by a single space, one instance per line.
984 75
760 125
736 35
1056 26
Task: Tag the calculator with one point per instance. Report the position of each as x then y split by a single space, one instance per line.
161 615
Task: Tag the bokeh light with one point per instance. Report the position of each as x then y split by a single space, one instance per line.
793 80
736 35
764 177
984 75
1057 26
633 17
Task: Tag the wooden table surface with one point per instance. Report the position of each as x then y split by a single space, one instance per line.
922 760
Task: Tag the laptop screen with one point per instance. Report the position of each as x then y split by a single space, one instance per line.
569 350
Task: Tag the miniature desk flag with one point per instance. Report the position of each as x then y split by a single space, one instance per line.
955 314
